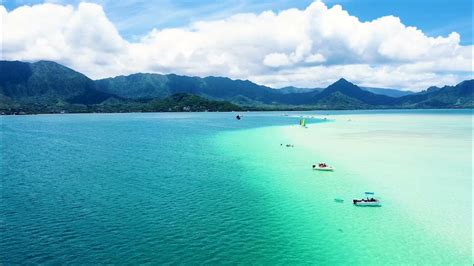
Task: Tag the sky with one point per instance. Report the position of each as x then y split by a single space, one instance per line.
395 43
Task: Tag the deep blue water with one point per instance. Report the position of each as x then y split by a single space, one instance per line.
122 188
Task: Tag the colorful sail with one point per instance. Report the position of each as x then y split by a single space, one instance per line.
303 122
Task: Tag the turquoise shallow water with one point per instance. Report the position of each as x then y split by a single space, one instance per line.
206 188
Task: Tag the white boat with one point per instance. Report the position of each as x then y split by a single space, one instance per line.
368 201
322 167
365 203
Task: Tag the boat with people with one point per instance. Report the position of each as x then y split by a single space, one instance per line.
322 167
368 201
288 145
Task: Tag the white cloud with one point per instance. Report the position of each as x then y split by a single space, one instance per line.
315 58
311 47
276 60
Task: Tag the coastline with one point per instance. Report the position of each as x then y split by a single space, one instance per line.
14 113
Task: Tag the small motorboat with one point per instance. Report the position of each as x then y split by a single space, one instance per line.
322 167
369 201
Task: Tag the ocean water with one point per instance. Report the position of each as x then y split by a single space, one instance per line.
204 188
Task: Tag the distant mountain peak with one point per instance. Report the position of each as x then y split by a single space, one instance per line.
342 81
348 89
342 84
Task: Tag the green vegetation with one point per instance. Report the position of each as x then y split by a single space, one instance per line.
176 103
48 87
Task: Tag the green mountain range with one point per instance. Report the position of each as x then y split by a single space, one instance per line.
45 86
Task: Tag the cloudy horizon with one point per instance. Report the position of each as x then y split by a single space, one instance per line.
311 46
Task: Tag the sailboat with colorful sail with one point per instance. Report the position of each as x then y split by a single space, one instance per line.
303 122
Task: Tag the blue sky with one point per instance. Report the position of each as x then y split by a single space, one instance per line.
134 18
